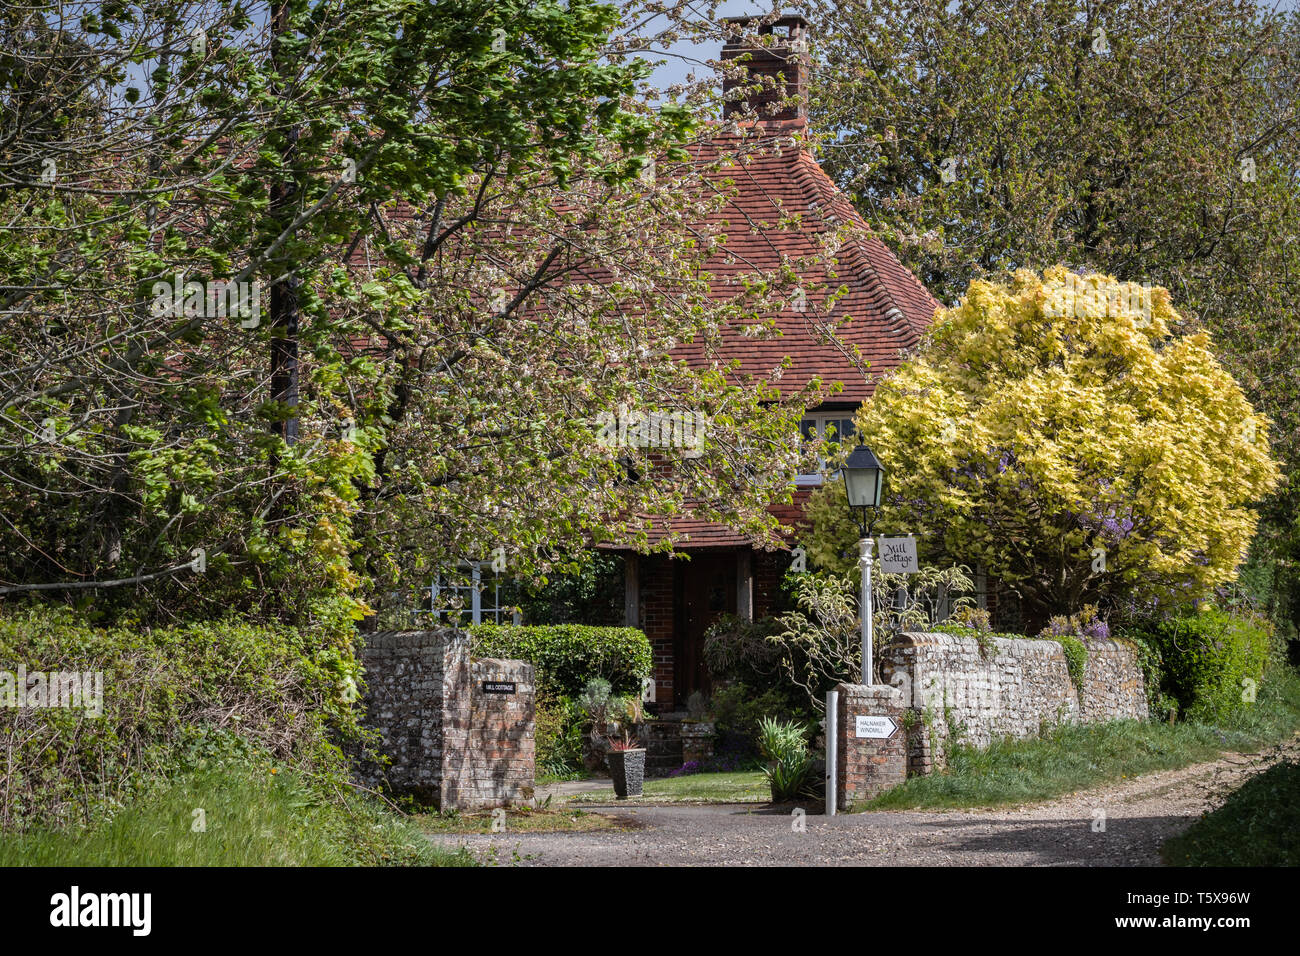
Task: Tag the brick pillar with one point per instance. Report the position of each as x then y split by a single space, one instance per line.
869 765
655 578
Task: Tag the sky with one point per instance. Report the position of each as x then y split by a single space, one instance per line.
686 56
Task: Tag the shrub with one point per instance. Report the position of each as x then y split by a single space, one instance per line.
1207 662
1065 363
591 593
558 736
976 619
171 698
739 709
738 649
789 769
1068 631
567 656
595 699
821 643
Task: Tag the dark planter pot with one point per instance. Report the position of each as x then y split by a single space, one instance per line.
627 768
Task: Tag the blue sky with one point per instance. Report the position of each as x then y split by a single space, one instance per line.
686 56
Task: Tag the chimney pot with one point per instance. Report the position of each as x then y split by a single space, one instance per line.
783 67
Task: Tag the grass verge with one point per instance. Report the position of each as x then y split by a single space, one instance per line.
1073 757
1258 825
237 815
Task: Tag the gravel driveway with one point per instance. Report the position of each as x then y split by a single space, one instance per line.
1139 815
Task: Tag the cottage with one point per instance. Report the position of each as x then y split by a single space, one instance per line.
886 308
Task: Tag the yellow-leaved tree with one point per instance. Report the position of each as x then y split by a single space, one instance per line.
1067 434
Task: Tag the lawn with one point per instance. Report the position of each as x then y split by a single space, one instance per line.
1075 757
1258 825
733 787
237 816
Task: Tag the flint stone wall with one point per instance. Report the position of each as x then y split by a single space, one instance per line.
450 744
1010 688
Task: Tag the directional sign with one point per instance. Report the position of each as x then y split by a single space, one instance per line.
877 728
898 556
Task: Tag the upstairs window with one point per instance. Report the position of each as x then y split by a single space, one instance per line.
828 426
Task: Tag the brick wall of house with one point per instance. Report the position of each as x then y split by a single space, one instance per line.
655 618
769 566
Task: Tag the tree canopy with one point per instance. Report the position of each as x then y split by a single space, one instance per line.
1157 141
1070 435
456 234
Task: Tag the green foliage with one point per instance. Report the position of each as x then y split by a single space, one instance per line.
1258 825
1101 454
820 642
738 649
1183 175
789 765
974 618
1210 663
132 433
1067 629
567 656
558 737
591 594
1076 658
738 711
171 697
595 698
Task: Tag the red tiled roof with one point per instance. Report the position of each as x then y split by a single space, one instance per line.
690 532
887 304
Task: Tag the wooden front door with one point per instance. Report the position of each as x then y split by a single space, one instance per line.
706 589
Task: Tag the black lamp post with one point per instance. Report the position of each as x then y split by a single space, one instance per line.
864 479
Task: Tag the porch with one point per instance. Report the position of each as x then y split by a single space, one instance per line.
675 599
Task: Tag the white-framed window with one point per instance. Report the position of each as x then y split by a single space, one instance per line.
831 426
478 601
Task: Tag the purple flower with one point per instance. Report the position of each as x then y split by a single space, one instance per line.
1097 629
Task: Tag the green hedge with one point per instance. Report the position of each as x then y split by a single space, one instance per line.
171 697
567 656
1205 661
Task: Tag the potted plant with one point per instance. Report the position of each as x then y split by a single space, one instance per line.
595 702
626 755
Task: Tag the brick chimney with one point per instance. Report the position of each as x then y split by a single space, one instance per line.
785 61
